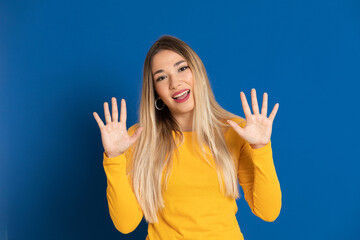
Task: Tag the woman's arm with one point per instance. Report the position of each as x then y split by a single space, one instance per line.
256 171
124 208
257 177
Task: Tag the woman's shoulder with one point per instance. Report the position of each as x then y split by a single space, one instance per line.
231 135
129 151
239 120
133 128
233 141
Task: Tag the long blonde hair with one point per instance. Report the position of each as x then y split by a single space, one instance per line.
152 153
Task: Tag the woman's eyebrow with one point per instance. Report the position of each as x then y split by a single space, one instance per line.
176 64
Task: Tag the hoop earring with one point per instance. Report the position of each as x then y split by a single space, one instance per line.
157 106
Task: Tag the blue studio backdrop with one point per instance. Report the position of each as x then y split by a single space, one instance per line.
61 60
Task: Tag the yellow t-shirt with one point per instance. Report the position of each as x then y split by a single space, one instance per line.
195 208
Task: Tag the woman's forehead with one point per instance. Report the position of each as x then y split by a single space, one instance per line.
165 58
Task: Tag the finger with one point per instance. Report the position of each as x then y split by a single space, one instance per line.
123 112
98 120
236 127
255 105
115 112
264 105
273 112
245 105
107 113
136 135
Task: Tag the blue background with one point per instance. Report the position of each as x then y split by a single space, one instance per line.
61 60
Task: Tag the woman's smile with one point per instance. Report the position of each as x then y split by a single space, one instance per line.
182 96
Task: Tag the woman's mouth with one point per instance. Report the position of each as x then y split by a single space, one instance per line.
182 97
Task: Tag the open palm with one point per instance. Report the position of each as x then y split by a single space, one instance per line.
258 127
115 137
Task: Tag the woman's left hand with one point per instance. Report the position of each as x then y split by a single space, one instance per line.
258 127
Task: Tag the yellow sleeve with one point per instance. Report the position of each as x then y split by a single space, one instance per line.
259 181
124 209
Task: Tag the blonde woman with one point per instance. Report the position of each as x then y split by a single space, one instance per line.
180 166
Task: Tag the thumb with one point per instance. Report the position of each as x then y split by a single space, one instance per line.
136 135
236 127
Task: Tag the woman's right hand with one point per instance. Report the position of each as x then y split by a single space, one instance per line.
114 135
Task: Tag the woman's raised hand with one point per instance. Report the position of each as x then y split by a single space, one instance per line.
114 135
258 127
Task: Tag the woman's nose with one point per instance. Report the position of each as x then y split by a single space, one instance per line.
174 82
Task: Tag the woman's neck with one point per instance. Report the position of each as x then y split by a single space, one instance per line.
185 120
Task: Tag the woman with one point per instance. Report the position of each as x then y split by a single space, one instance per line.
180 166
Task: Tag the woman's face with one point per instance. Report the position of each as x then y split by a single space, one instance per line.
173 81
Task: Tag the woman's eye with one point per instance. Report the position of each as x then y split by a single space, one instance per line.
183 68
160 78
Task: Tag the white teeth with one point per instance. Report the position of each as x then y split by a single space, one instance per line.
182 94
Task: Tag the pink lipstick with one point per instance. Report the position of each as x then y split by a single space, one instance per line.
182 96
